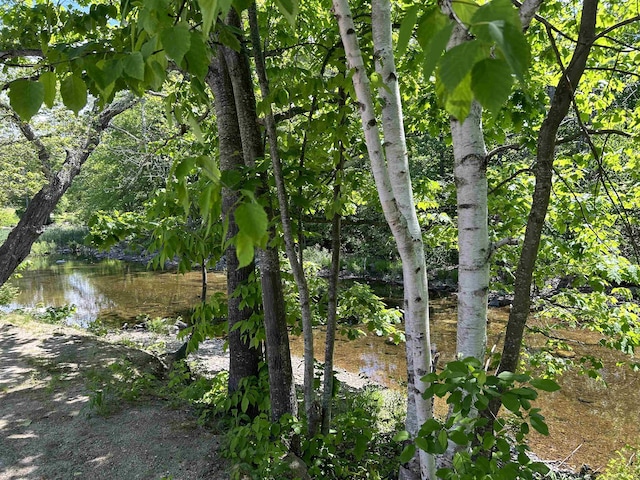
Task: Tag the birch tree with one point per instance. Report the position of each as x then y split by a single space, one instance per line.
389 163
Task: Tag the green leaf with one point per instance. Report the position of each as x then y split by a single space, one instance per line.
176 41
465 10
209 9
433 34
457 63
545 384
104 73
491 83
289 9
74 93
513 45
497 10
195 128
407 453
459 437
443 439
49 80
252 220
198 56
26 97
244 249
401 436
511 402
458 102
133 65
229 38
524 392
406 29
537 422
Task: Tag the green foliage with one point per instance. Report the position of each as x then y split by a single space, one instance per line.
121 380
7 293
157 325
57 315
8 218
358 304
26 97
358 445
496 450
625 466
614 315
479 68
206 321
64 235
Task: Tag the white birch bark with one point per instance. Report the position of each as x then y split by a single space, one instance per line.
470 172
393 183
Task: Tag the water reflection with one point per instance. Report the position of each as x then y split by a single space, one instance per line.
110 289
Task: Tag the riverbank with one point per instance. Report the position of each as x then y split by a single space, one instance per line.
49 406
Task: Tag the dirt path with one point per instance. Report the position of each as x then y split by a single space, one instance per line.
48 430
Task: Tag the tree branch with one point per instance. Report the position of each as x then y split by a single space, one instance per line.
606 31
511 177
503 148
30 135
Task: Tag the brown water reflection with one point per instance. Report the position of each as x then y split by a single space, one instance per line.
110 290
585 414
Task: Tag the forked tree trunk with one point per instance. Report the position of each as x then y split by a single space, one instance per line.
18 244
281 385
243 359
393 183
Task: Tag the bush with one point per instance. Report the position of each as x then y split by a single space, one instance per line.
624 467
8 217
64 235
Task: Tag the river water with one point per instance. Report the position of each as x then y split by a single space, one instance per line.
588 420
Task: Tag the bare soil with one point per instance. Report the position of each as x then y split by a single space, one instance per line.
49 431
51 427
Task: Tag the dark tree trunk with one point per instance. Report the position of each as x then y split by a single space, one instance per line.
544 172
18 244
281 385
243 359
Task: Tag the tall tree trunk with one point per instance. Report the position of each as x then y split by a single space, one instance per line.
310 403
393 183
18 244
243 359
281 384
332 303
543 170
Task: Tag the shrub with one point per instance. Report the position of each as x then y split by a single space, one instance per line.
625 466
8 217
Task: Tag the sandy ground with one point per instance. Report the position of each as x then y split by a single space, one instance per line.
49 430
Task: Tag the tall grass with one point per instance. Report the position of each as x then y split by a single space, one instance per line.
64 235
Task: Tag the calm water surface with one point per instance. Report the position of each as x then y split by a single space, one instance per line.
585 416
110 290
